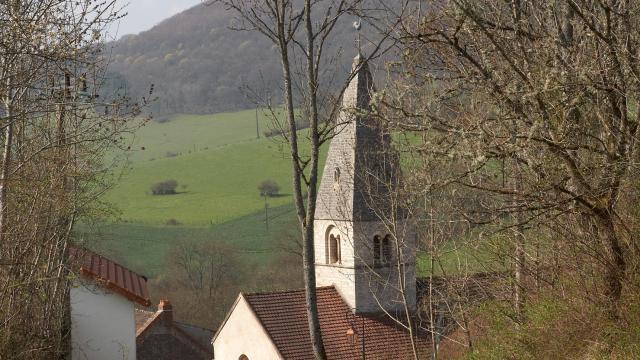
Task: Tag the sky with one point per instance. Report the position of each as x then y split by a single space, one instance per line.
144 14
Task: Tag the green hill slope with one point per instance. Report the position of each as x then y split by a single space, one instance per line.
144 247
186 134
218 163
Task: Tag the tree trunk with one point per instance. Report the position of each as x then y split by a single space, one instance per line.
308 243
615 266
519 286
305 215
4 172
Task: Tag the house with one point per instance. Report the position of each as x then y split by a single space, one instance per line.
273 325
102 302
159 337
362 294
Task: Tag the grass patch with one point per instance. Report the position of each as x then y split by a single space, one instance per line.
215 184
184 134
218 163
144 247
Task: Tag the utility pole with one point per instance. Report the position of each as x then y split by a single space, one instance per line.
266 213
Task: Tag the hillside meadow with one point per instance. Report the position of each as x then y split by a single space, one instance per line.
217 161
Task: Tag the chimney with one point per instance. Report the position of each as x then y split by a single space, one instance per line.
165 310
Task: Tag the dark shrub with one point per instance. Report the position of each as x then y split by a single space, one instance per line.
173 222
167 187
268 188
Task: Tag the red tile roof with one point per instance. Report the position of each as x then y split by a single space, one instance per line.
284 317
111 275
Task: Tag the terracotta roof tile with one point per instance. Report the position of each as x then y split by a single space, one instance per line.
283 315
111 275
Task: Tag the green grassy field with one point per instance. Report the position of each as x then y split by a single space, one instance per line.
458 257
214 186
144 247
218 163
192 133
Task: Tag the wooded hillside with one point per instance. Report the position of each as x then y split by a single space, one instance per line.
197 64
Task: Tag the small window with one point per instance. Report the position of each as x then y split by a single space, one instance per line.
334 249
381 250
386 249
243 357
336 175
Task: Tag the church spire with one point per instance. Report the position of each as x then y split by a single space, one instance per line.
357 148
357 96
352 244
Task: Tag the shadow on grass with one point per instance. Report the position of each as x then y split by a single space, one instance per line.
171 194
278 196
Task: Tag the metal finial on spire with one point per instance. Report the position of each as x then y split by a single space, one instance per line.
358 25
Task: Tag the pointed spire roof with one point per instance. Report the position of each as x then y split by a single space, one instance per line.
358 93
356 151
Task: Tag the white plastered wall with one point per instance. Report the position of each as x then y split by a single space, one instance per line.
242 333
102 324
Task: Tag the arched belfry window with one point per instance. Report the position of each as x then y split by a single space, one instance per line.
332 246
376 250
243 357
334 249
386 249
382 250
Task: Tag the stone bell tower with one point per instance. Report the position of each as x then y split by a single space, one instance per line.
355 251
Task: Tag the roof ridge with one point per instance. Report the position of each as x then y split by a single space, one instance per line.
283 291
195 326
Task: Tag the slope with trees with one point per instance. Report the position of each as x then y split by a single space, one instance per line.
198 64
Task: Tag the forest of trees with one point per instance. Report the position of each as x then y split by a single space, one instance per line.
199 65
527 117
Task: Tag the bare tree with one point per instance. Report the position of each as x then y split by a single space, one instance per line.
531 107
54 139
201 272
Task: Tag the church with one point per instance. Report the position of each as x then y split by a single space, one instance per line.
365 276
